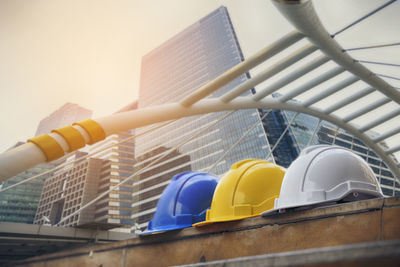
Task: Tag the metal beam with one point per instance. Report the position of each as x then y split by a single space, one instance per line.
380 120
291 77
333 89
387 134
268 73
393 150
366 109
314 82
243 67
348 100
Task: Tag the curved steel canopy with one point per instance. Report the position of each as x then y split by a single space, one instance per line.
303 16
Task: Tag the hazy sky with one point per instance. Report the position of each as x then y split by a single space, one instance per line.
89 51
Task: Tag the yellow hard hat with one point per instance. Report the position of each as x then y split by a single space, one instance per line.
246 190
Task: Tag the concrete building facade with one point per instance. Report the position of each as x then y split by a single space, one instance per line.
68 190
75 185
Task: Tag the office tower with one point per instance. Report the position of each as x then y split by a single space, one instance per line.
78 183
149 190
86 179
19 204
65 115
68 190
119 152
115 207
175 69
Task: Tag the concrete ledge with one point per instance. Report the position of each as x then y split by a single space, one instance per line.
339 225
383 253
52 232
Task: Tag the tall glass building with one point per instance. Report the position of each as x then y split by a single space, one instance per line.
178 67
19 204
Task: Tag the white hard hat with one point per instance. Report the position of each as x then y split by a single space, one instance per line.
323 174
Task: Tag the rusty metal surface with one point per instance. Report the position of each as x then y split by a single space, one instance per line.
345 224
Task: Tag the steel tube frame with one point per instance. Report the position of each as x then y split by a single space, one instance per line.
302 15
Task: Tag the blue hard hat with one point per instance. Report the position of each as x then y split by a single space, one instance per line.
183 202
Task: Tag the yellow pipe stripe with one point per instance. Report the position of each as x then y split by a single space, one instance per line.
73 137
94 130
51 149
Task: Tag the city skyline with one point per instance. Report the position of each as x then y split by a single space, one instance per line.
329 125
52 70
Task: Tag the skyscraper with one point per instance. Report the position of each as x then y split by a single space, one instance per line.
115 207
79 183
178 67
67 190
20 203
65 115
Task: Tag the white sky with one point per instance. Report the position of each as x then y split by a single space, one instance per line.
89 52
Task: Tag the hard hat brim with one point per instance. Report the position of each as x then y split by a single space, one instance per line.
372 194
204 223
163 229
